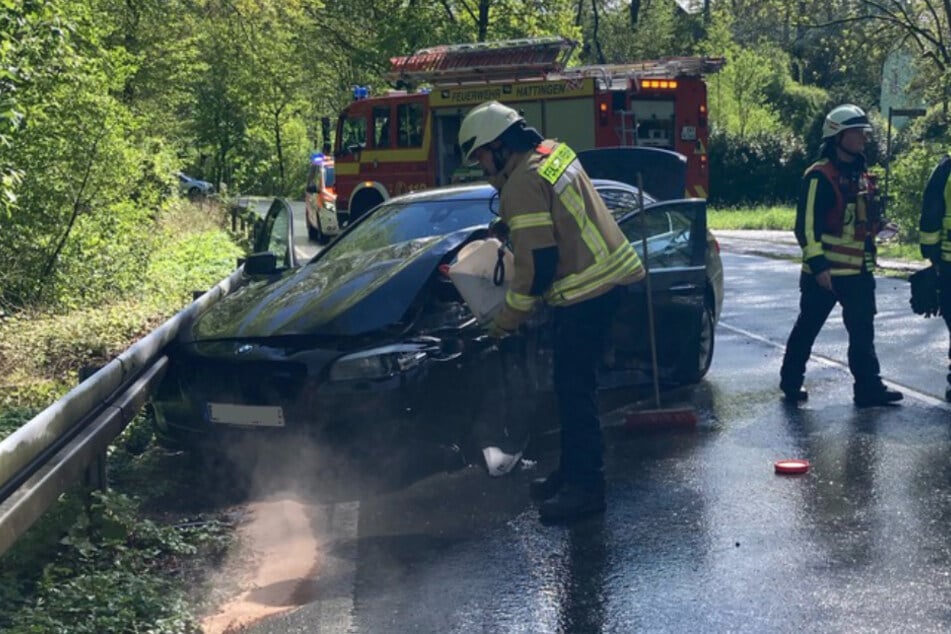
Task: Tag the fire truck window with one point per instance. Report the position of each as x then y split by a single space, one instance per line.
354 133
410 116
381 127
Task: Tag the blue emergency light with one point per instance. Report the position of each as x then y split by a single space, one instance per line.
361 92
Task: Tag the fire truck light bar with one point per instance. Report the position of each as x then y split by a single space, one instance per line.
661 84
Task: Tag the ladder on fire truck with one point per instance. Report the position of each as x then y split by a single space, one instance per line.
532 59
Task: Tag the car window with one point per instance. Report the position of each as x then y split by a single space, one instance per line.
381 126
354 133
409 223
276 229
410 117
668 234
621 201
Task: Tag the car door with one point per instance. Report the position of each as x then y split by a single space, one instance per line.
275 234
675 236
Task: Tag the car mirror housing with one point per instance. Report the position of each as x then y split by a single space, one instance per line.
263 263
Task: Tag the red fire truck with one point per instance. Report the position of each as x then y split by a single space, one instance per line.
406 140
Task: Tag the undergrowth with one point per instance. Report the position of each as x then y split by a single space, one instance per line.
100 562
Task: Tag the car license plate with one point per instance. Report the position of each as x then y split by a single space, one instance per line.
247 415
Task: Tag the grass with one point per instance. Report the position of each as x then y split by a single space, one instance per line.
777 217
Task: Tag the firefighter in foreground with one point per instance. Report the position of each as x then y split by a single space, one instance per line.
570 253
836 224
935 231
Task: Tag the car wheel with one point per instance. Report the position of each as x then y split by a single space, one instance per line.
696 366
194 193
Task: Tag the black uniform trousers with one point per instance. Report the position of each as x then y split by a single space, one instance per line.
856 294
581 334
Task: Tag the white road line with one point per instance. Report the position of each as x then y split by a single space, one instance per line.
921 396
337 579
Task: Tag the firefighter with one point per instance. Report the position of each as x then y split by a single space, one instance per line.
935 231
571 254
836 223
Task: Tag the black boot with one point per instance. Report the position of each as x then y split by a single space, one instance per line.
541 489
572 502
873 397
793 392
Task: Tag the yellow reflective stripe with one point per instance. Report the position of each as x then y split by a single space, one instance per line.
573 202
813 247
524 221
930 237
622 263
946 222
843 241
556 163
842 258
812 250
840 272
523 303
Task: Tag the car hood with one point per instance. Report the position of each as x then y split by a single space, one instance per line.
347 295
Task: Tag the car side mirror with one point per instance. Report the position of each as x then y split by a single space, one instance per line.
264 263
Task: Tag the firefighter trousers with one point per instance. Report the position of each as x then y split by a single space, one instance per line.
944 286
856 294
581 334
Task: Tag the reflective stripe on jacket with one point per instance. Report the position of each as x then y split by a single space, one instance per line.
547 200
835 234
934 228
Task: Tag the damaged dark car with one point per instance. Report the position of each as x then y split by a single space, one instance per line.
368 349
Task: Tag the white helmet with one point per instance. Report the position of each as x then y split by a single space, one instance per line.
844 117
484 124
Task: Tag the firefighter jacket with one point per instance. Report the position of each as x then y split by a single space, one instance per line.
832 219
547 200
934 228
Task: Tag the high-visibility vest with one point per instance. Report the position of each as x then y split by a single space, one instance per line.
935 225
845 225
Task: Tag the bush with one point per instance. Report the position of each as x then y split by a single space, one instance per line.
757 169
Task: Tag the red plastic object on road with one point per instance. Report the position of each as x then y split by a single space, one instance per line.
791 466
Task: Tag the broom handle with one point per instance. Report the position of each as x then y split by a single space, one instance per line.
650 300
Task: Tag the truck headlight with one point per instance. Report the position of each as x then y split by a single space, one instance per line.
378 363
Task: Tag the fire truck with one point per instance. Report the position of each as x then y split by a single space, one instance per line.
406 139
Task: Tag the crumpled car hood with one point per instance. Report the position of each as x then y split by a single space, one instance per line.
352 295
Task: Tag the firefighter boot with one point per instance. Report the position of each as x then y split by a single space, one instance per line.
541 489
793 393
875 396
573 502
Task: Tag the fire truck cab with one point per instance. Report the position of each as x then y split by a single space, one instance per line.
404 140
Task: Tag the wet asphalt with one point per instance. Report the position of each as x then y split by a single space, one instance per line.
700 532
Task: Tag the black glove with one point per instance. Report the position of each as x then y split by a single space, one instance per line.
925 299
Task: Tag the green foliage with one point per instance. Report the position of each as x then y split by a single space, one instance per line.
906 184
113 572
42 353
759 168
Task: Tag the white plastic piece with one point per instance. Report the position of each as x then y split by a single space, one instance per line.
498 462
473 273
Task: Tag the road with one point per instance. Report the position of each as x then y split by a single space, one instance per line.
700 532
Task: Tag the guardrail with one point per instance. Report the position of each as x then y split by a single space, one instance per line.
68 440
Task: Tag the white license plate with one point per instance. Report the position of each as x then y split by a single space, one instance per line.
247 415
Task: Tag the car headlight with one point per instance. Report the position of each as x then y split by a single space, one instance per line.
378 363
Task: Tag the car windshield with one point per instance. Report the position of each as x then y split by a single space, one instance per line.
410 224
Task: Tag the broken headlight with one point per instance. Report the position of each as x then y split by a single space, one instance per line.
378 363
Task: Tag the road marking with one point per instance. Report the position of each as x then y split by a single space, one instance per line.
921 396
